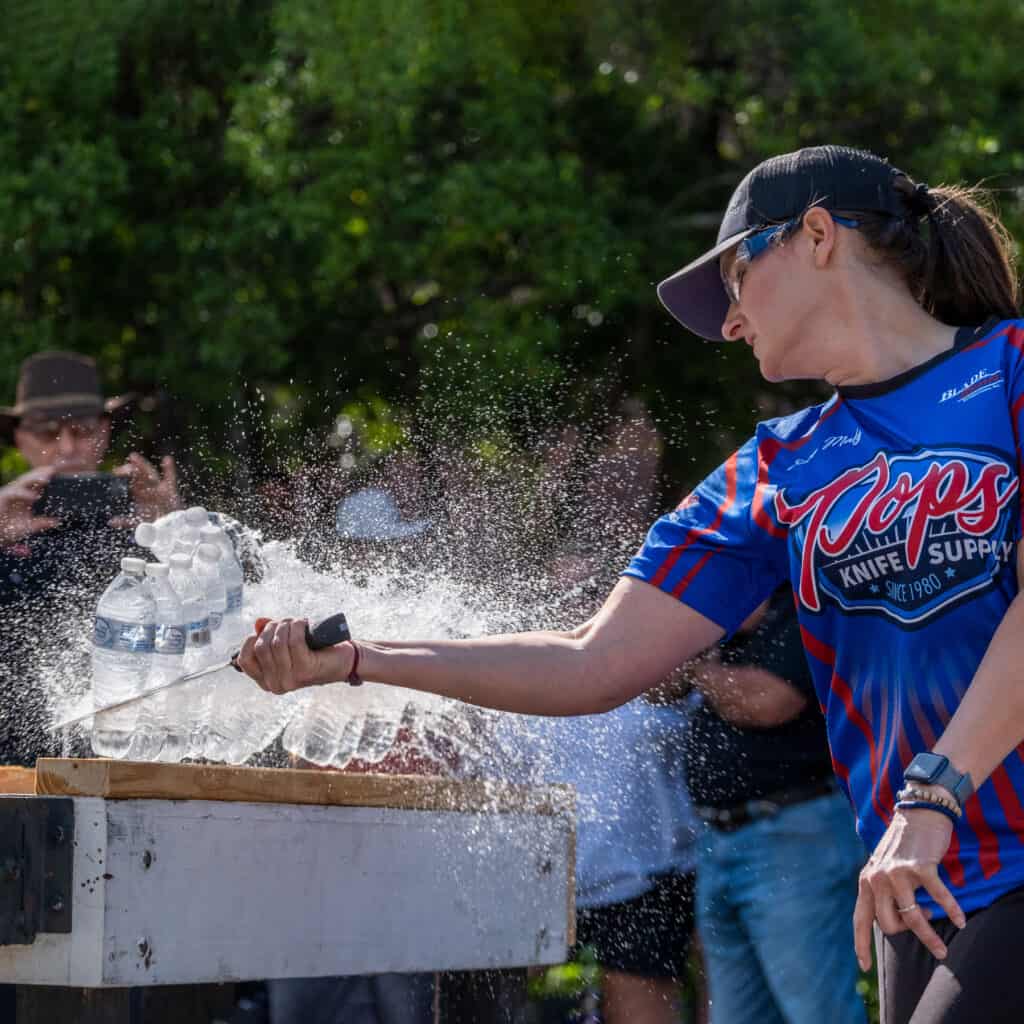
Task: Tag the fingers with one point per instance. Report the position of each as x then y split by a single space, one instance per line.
916 920
170 472
863 919
246 660
278 658
940 893
888 897
144 468
39 524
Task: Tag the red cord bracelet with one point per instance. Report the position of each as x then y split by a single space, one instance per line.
353 677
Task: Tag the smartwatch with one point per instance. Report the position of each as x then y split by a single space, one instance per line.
935 770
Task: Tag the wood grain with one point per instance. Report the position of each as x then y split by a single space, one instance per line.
134 780
19 781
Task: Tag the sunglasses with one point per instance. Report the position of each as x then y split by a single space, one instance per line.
758 244
81 428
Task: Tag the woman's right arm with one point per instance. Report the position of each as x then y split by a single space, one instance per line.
634 641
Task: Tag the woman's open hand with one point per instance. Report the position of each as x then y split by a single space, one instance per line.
906 859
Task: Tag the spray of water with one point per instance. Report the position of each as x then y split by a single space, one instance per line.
530 520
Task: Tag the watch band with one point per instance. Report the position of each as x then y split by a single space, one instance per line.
936 770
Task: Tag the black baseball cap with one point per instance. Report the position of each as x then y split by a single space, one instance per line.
833 177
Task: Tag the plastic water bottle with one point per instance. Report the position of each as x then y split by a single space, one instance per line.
378 736
193 697
124 632
185 542
206 566
162 733
219 714
324 730
196 517
146 536
233 577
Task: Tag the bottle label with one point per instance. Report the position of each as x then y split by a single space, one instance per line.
131 637
199 633
171 639
235 598
216 618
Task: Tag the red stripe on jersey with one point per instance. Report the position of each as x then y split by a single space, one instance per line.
701 531
678 589
1013 810
988 844
817 648
982 342
1015 336
1015 412
952 863
841 689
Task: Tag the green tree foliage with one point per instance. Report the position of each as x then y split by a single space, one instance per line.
279 209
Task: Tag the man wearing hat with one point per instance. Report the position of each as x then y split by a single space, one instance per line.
55 559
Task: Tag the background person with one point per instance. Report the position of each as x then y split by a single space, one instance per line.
778 863
636 831
52 570
832 264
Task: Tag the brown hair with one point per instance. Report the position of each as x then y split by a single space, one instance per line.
952 249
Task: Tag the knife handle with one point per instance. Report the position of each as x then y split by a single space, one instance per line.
325 633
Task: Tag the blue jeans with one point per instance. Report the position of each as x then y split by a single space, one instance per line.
774 913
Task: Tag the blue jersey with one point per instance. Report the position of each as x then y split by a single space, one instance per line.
894 509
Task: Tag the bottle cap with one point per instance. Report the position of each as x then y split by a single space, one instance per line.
145 535
208 552
181 561
157 569
197 516
136 566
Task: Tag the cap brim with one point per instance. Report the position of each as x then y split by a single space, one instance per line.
695 295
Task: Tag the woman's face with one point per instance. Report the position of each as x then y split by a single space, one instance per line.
779 312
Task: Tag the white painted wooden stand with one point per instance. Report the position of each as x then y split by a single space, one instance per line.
172 892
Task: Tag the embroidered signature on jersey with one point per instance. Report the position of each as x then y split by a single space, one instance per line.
903 534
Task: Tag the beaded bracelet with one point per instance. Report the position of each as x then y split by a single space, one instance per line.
913 805
949 802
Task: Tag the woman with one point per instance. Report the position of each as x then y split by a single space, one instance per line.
894 509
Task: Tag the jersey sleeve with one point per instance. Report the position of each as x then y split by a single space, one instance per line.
710 553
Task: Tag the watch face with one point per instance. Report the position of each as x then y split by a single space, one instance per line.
926 767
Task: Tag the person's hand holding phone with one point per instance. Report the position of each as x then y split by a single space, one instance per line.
17 520
154 492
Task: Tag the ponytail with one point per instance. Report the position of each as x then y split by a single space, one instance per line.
953 251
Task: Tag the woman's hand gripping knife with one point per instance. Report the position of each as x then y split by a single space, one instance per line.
287 654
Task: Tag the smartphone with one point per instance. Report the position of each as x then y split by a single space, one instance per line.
84 497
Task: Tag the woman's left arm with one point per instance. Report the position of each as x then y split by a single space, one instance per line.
987 725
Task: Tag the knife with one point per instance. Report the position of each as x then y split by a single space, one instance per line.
326 633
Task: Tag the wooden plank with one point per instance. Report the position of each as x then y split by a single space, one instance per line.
136 780
21 781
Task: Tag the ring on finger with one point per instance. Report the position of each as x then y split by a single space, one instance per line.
907 909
